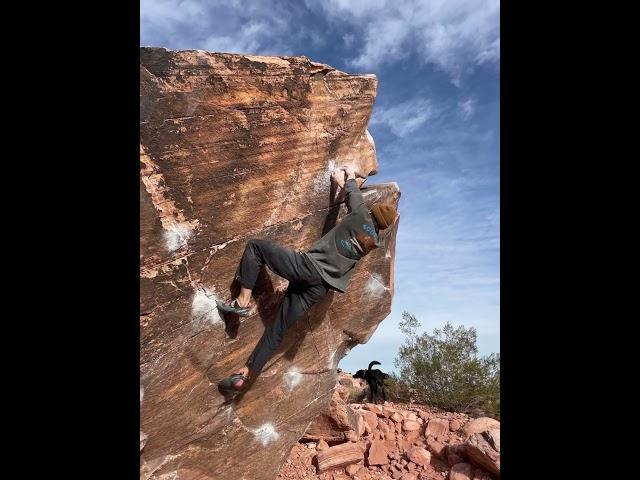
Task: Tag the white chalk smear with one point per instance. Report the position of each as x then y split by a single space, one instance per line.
330 361
176 236
322 182
370 140
292 378
375 287
265 434
141 393
204 309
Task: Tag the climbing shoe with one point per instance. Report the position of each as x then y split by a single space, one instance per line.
233 383
233 307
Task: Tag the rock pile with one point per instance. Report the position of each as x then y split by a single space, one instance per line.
393 441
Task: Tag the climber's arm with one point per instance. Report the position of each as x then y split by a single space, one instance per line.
354 199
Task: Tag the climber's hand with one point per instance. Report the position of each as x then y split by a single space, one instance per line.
350 171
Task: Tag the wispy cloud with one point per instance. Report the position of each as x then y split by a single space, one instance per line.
404 118
467 108
248 40
222 25
455 35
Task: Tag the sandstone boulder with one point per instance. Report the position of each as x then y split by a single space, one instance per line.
482 424
235 147
481 450
335 423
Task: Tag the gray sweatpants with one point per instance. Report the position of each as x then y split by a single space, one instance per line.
306 287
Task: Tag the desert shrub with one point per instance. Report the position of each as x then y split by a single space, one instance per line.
357 394
443 370
397 390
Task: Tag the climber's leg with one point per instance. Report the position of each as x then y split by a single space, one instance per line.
293 307
284 262
306 287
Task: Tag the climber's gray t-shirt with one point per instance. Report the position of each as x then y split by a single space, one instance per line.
336 254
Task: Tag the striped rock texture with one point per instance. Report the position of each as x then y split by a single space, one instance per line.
236 147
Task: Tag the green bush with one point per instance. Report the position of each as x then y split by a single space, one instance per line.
397 390
443 370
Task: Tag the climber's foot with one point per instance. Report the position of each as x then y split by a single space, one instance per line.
233 383
233 307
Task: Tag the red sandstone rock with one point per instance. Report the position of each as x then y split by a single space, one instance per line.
461 471
481 450
437 427
454 425
236 147
493 437
435 447
377 453
410 425
352 469
387 411
424 415
337 424
370 419
481 424
396 472
377 409
396 417
339 456
419 456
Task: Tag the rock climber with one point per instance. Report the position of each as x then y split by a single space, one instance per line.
328 265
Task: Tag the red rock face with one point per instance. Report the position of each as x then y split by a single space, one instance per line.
236 147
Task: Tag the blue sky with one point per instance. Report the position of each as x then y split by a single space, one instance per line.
436 124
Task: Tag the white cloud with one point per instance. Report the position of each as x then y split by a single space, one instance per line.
467 108
454 35
247 40
404 118
220 25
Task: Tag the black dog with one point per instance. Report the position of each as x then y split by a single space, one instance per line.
375 379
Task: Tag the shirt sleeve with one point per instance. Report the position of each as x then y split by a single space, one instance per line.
354 200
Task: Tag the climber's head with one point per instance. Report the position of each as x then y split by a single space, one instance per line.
384 215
